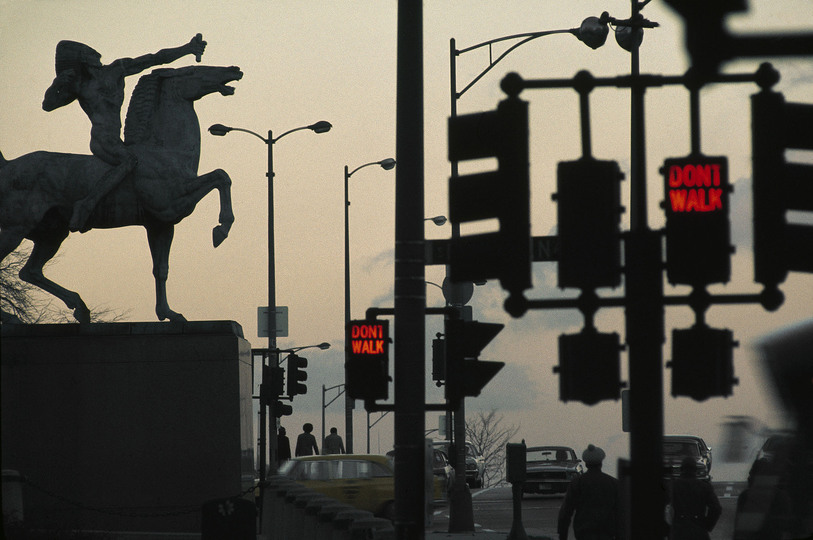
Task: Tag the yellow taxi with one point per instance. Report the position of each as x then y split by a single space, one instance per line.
365 481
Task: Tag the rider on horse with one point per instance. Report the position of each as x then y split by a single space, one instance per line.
100 91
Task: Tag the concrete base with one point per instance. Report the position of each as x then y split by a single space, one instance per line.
126 426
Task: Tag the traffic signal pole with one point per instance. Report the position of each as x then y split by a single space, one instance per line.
644 329
410 286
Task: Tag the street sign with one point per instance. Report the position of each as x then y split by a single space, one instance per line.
281 325
544 249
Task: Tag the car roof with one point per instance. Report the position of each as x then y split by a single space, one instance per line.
384 460
693 438
533 448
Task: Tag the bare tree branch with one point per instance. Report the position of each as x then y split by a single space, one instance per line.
21 302
485 431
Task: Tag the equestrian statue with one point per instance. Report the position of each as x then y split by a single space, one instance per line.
150 178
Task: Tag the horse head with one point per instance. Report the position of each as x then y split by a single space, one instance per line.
186 84
194 82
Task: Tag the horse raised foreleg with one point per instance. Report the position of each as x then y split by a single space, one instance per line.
197 188
160 240
45 247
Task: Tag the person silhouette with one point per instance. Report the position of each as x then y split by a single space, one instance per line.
696 508
306 442
283 447
593 497
333 443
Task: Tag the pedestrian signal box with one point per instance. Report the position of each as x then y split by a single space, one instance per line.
698 233
367 367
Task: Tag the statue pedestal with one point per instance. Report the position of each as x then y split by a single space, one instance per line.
126 426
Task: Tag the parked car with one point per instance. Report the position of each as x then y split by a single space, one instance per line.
776 447
443 471
549 469
475 463
677 447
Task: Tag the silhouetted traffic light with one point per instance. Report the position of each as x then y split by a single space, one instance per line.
279 409
503 194
702 362
272 384
589 367
438 359
589 216
698 233
297 374
367 369
779 186
465 375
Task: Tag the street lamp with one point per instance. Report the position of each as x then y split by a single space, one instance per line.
386 164
323 346
220 130
437 220
593 33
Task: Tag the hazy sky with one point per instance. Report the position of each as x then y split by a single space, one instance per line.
336 61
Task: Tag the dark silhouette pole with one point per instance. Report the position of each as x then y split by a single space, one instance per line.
386 164
410 289
645 331
220 130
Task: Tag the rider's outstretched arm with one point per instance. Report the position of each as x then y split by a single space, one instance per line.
131 66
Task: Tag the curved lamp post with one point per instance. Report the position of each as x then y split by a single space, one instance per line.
593 33
387 164
220 130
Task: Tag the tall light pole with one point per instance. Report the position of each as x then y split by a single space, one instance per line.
220 130
386 164
593 33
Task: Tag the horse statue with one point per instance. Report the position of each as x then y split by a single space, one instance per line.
38 190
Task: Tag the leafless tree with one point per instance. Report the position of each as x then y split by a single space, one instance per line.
488 434
21 302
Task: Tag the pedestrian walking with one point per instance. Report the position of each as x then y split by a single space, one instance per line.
333 443
283 447
593 497
306 442
695 506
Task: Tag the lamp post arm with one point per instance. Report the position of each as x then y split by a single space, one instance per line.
351 173
263 139
275 139
529 36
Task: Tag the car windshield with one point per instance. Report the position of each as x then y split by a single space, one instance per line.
550 454
336 469
680 448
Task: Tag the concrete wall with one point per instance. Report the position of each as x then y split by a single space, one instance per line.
126 426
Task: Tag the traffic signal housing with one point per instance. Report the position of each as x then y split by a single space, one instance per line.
272 384
367 367
503 194
780 186
589 217
698 231
297 374
280 409
702 362
465 374
589 367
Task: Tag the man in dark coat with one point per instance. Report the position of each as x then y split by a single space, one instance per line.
283 447
696 508
306 442
593 496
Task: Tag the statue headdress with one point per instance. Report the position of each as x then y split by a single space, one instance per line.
72 54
